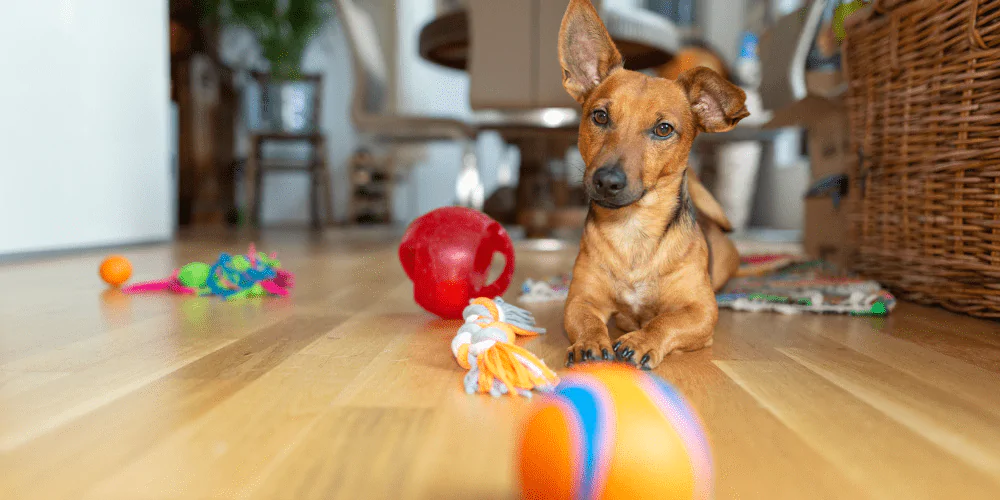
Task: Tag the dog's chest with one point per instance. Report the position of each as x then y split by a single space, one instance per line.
636 292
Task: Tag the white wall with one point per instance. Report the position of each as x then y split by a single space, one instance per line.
84 124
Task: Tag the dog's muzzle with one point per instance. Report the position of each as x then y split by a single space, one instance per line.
609 187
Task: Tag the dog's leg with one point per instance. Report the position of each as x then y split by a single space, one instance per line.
587 329
687 329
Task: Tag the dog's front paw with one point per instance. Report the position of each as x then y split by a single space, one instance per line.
585 350
641 349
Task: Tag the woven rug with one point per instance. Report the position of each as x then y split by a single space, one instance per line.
807 287
779 283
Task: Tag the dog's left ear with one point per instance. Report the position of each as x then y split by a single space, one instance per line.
718 105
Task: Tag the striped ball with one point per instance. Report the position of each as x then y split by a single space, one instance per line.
611 431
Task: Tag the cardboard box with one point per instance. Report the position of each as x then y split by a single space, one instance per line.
825 233
823 114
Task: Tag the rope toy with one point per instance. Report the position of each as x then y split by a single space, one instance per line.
485 310
548 290
485 346
232 276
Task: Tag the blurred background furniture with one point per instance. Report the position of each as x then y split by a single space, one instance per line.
646 40
371 116
784 50
372 181
283 125
207 102
515 87
801 93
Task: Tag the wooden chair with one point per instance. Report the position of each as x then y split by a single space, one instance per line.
320 189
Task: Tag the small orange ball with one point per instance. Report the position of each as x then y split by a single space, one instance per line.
116 270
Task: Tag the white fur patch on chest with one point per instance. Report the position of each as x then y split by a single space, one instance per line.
637 294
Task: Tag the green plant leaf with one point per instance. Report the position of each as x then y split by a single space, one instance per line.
283 32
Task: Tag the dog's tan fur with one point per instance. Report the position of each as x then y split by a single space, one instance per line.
654 261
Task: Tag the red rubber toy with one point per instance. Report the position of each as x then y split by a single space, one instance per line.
447 254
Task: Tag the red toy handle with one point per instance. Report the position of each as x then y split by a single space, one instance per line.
501 242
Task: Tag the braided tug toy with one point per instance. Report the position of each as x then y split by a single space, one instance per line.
485 346
232 276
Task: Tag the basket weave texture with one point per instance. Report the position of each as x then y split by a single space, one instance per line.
924 106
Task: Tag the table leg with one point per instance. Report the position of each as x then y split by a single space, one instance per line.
539 194
534 201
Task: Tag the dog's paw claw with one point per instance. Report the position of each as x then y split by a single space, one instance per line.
638 351
586 351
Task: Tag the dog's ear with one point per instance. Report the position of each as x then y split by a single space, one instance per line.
586 52
718 105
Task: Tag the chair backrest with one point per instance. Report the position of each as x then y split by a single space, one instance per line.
783 53
371 74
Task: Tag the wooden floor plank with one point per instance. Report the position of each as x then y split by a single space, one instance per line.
105 368
347 389
741 430
114 434
211 458
974 341
972 383
962 428
353 453
862 442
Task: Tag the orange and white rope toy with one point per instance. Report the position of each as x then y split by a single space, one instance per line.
485 346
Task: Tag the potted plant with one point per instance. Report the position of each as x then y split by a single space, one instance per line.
283 29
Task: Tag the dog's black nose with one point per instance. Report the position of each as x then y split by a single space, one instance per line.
610 180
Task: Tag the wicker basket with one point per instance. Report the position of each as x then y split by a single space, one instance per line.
924 104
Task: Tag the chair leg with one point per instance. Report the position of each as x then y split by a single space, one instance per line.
258 195
325 186
326 189
313 198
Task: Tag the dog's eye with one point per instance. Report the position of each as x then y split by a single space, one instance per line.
601 117
663 130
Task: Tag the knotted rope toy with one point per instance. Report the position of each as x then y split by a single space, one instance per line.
485 346
232 276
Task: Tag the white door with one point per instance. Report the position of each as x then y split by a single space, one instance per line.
84 124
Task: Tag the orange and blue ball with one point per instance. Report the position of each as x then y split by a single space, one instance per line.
611 431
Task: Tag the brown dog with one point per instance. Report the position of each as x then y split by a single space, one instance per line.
654 250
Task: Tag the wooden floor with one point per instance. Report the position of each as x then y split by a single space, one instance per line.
348 390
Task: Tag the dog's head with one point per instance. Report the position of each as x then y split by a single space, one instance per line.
636 130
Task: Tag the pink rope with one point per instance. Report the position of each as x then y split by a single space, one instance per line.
280 285
148 287
271 287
